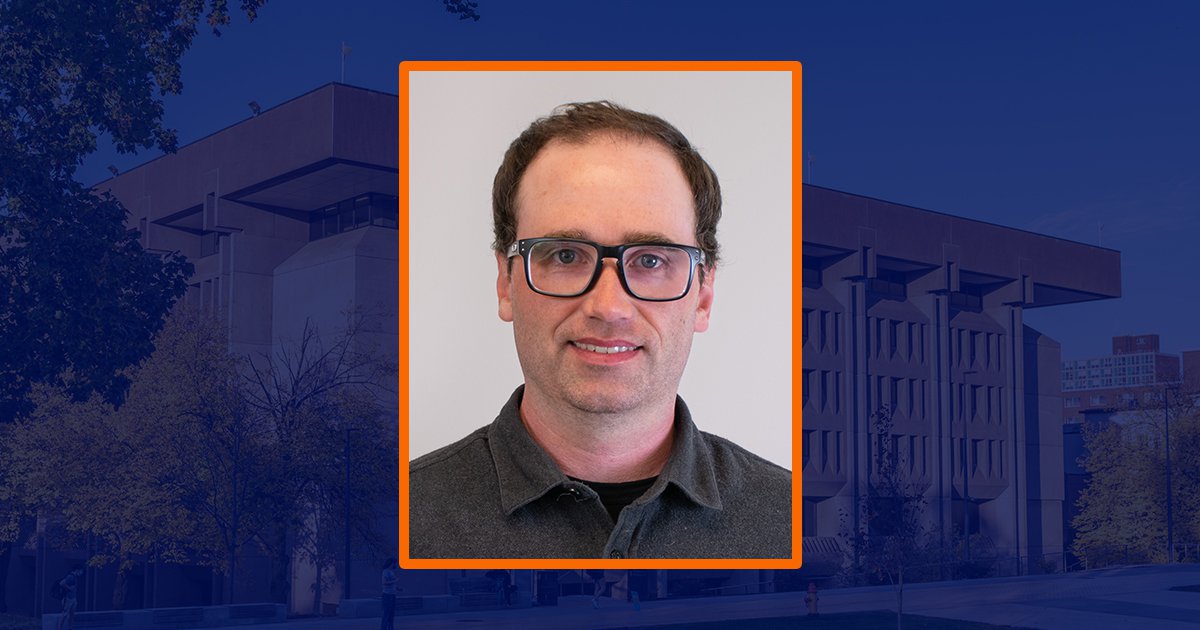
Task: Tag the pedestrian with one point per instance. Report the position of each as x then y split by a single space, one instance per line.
598 582
69 586
389 580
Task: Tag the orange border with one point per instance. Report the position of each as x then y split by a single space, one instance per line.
793 67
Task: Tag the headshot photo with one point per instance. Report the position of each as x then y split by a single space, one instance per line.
600 307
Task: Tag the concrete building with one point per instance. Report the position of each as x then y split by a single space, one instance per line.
922 313
290 217
290 220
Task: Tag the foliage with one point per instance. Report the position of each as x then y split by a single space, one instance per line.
210 454
72 71
87 466
1122 511
79 298
465 9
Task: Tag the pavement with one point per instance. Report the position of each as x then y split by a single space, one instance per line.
1137 597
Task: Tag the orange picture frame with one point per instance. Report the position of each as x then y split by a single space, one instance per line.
403 391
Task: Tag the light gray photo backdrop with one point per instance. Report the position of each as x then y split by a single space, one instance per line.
463 362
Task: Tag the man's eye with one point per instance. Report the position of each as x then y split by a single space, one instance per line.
649 261
565 256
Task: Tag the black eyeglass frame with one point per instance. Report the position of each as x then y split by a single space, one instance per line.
521 248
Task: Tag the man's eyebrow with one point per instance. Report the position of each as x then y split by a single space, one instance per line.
578 235
647 237
629 237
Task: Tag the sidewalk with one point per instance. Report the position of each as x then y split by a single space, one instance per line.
1120 598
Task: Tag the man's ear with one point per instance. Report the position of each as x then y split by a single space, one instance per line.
504 286
704 305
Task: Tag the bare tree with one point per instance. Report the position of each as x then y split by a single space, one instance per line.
894 538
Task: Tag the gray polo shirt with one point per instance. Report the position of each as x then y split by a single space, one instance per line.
497 494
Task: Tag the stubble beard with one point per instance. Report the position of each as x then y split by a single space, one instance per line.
601 390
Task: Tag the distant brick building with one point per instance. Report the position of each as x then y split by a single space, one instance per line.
1132 376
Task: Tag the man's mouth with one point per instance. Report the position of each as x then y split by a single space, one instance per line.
604 349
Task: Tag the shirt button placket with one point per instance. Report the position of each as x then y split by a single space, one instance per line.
622 535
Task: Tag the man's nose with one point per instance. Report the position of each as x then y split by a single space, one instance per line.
608 300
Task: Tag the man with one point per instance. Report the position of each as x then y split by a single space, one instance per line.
70 599
605 238
388 580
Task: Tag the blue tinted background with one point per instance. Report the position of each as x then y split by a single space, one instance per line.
1076 121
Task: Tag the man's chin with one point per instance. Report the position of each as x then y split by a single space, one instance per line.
607 401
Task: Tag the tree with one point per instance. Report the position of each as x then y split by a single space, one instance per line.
1122 515
211 455
78 465
79 298
215 457
894 541
317 394
165 475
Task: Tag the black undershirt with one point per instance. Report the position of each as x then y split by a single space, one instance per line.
615 496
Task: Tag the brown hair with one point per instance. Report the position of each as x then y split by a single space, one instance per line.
580 122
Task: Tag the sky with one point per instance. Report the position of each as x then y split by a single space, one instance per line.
1077 120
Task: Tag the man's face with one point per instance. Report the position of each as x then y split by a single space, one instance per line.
611 191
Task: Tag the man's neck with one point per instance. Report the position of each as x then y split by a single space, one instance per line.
609 448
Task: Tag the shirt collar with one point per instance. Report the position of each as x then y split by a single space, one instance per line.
526 472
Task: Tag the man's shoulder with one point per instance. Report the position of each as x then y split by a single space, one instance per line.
731 459
471 447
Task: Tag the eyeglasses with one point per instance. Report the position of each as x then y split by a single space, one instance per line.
567 267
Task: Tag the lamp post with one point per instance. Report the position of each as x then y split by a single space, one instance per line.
346 581
1167 447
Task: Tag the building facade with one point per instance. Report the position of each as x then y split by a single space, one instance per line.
290 219
920 316
1132 376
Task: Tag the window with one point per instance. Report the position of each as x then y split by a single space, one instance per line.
350 214
362 211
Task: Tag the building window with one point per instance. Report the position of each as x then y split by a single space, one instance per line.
351 214
889 285
965 301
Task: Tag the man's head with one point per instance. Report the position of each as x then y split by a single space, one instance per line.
578 123
609 176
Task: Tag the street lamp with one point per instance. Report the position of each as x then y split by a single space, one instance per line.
1167 448
346 497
